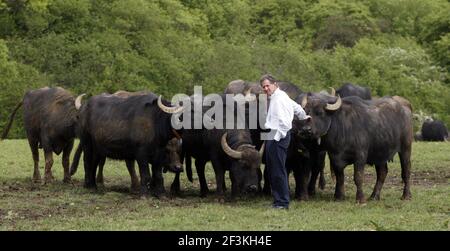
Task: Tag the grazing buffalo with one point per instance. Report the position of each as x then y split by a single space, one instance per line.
228 150
50 121
434 130
354 131
137 127
349 89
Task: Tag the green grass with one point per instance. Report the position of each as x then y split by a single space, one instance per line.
57 206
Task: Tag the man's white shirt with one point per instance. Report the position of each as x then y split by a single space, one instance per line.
281 113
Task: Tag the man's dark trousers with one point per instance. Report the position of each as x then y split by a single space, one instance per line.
276 152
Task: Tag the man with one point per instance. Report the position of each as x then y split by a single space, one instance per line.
279 121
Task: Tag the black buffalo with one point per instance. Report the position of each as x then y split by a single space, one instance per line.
228 150
349 89
434 130
354 131
137 127
173 148
50 120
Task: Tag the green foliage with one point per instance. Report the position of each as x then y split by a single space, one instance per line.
169 46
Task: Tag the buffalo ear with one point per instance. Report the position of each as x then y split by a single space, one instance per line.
150 104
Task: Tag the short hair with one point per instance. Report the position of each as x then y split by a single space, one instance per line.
269 77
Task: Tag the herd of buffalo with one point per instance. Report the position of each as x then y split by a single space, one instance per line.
348 124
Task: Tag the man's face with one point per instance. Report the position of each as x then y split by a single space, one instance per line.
268 87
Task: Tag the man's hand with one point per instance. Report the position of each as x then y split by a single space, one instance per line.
306 117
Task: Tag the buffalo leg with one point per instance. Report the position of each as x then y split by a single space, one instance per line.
157 181
339 193
220 179
101 164
316 167
312 182
405 161
146 177
301 175
382 171
89 169
358 177
35 152
200 167
133 175
66 162
175 187
320 164
48 166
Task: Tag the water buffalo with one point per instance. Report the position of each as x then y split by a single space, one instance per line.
354 131
434 130
137 127
173 148
349 89
50 120
228 150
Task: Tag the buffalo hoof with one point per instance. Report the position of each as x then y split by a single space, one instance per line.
303 197
339 198
204 193
406 197
312 192
67 180
175 191
49 179
374 197
361 201
36 179
159 194
100 180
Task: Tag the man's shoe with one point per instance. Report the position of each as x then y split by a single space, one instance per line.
280 207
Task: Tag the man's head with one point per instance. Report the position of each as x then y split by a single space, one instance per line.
269 84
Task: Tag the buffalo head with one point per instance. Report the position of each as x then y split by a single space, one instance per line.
244 166
320 108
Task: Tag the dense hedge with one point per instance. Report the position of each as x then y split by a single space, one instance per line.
167 46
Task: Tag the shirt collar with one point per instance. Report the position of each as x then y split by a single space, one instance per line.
275 93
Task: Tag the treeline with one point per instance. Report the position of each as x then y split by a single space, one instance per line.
396 47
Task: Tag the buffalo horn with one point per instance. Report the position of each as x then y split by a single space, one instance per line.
335 106
227 149
168 109
304 101
333 92
78 101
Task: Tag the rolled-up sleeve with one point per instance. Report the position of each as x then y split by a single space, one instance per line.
298 111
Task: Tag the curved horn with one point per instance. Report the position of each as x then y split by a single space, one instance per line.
227 149
304 101
335 106
333 91
78 101
168 109
261 150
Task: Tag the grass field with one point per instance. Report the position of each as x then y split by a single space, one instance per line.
58 206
